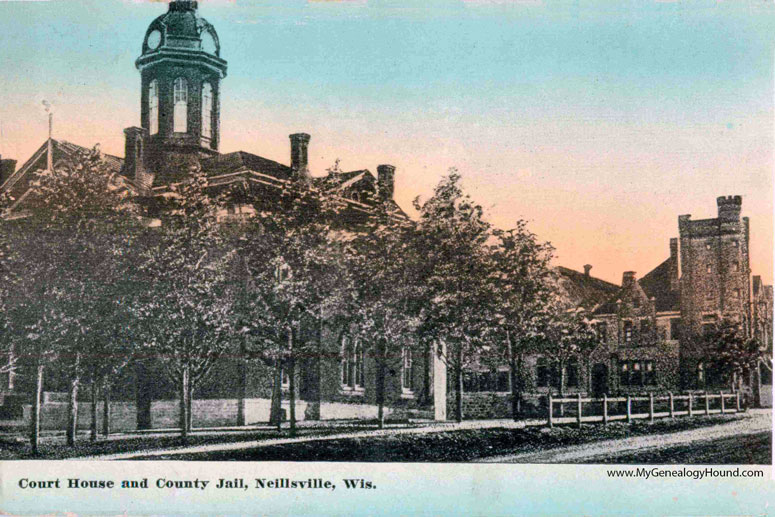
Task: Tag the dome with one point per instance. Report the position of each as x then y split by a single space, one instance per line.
181 27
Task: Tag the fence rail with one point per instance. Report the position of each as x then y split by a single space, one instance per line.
672 400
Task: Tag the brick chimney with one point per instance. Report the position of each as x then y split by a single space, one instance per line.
587 269
673 264
134 156
386 181
628 279
299 148
7 168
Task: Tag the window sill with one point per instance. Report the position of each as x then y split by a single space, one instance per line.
407 394
351 392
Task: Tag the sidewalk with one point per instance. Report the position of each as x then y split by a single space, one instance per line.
430 427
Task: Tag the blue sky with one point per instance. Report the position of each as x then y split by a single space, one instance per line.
600 122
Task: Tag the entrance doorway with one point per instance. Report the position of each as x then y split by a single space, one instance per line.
599 380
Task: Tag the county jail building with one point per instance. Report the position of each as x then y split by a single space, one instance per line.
649 327
643 321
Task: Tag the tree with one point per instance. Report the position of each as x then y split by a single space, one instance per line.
184 306
386 270
9 282
293 257
522 289
566 334
734 354
452 235
82 218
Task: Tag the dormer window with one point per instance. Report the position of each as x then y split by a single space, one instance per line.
180 91
207 111
153 107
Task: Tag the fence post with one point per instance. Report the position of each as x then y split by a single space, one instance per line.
651 407
605 408
723 409
629 408
672 406
551 416
737 402
578 403
707 404
690 404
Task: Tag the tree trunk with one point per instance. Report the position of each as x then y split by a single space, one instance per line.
380 382
515 391
459 384
72 405
106 407
35 421
242 382
184 405
292 381
190 401
275 413
94 397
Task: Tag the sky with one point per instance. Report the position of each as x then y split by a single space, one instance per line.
597 122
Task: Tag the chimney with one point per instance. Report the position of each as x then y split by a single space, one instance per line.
7 168
299 146
673 264
134 156
729 207
628 279
386 181
587 269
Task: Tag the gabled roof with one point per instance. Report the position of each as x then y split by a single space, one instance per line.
656 284
242 161
19 183
342 180
585 290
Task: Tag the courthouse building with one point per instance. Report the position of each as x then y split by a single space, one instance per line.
644 322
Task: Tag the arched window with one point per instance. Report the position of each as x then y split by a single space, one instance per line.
207 111
180 89
153 106
352 365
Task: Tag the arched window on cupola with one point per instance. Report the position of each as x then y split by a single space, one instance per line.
153 107
180 89
207 111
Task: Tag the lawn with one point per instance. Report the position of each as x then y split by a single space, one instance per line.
13 448
747 450
449 446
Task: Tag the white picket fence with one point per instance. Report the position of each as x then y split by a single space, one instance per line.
691 408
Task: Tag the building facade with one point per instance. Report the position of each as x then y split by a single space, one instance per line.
181 70
647 326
